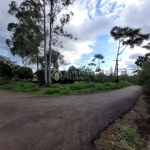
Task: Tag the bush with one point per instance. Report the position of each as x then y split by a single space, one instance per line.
23 72
144 78
40 77
4 81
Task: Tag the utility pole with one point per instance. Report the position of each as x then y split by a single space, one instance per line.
116 69
116 66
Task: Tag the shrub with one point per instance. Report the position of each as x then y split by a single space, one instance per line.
40 77
4 81
144 78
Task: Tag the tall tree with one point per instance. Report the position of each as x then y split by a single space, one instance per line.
126 37
56 6
27 33
45 34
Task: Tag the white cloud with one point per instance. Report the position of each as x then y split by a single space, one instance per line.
132 13
111 40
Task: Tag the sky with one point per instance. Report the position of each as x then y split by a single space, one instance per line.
91 24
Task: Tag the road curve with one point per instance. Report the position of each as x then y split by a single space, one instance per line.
60 122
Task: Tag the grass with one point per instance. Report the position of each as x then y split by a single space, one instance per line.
144 113
130 132
128 138
21 86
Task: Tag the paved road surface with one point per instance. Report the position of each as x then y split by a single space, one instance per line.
60 122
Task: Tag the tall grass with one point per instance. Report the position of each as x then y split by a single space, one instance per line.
21 86
128 139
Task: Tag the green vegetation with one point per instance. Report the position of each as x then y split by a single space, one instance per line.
19 86
22 86
144 77
128 138
9 69
144 71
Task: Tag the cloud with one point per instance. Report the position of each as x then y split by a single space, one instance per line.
135 55
92 19
131 64
111 40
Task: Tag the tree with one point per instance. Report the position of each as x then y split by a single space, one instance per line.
9 69
6 67
147 46
23 72
45 53
99 57
56 60
142 60
55 31
126 37
144 77
5 70
27 33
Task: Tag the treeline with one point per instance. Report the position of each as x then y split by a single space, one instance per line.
144 72
9 70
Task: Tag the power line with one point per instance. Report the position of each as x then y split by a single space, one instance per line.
8 16
90 39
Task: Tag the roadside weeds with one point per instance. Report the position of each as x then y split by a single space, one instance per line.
132 132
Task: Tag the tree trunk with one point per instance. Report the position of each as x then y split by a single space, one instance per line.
37 61
50 49
45 57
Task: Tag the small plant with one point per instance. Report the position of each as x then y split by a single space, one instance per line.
128 139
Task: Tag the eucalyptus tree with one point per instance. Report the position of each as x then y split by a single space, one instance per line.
57 30
56 61
31 29
27 34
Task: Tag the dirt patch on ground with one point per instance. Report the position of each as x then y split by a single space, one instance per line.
139 116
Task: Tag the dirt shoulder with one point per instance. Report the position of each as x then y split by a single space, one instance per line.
132 132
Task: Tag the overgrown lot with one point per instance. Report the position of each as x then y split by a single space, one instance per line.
21 86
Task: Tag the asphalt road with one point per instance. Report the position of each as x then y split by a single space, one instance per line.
60 122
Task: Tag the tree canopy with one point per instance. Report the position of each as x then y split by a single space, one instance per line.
27 33
128 36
